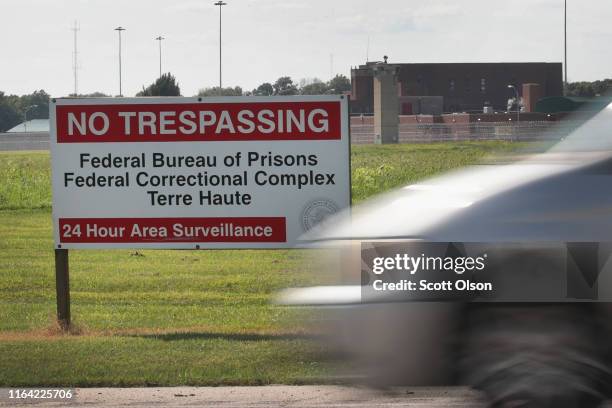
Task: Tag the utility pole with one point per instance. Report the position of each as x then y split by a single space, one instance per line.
220 3
160 38
119 30
565 42
75 61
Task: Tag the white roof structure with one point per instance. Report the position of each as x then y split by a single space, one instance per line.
34 125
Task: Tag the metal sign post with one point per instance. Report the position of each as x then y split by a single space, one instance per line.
62 287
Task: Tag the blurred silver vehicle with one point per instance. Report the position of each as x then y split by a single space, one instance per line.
548 344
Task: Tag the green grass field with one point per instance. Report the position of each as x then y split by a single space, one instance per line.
171 317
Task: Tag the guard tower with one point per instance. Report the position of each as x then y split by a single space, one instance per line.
386 103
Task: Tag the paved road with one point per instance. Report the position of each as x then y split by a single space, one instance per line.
24 141
260 397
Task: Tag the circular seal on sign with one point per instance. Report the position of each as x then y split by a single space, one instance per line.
316 212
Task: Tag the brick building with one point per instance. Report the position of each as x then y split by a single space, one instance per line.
455 87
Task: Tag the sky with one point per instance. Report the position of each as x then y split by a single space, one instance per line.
266 39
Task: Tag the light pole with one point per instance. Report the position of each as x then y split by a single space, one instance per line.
565 44
220 3
25 117
119 30
518 102
160 38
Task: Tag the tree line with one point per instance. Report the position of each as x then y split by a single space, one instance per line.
285 86
589 89
13 107
166 85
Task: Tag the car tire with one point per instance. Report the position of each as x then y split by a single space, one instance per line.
536 355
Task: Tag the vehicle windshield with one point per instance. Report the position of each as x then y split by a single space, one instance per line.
592 135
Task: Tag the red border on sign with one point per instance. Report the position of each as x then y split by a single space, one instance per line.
176 131
150 230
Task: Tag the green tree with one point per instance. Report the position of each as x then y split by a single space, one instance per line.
166 85
316 87
265 89
40 99
579 89
285 86
9 115
339 85
589 89
602 87
90 95
216 91
13 107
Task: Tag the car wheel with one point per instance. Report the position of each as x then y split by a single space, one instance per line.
536 355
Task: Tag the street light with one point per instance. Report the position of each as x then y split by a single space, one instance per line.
220 3
119 30
565 43
25 117
518 102
160 38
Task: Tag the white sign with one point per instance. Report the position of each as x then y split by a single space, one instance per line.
235 172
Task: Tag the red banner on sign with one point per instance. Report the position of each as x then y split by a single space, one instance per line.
152 230
242 121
